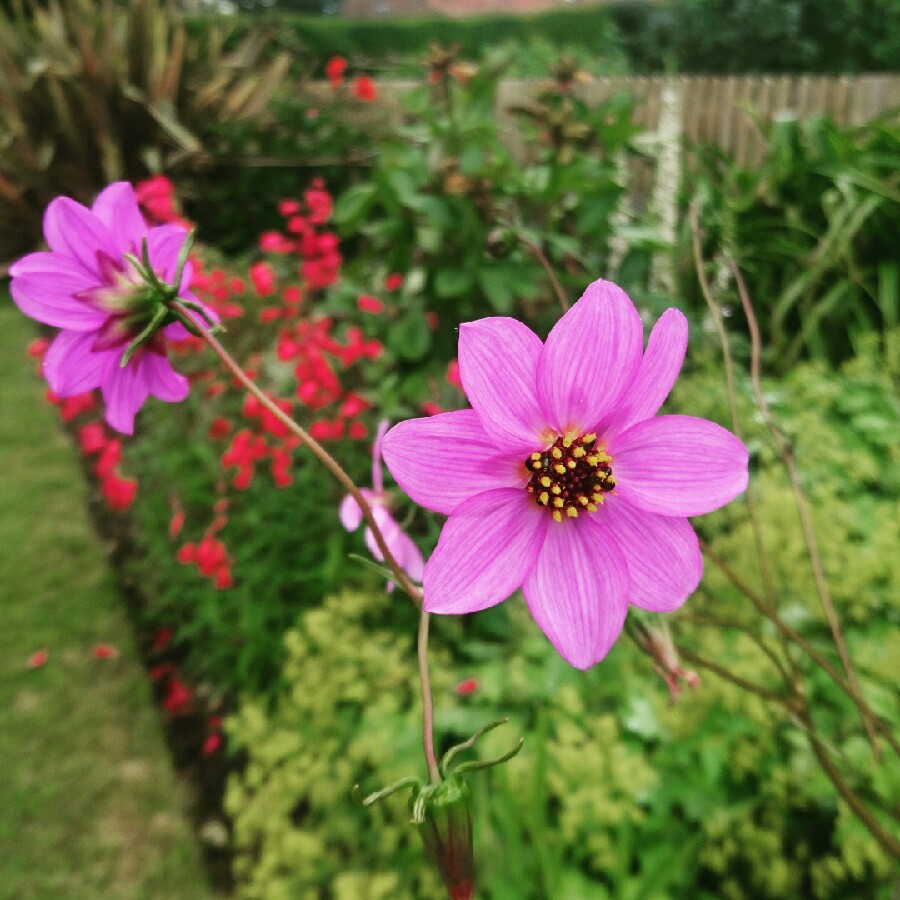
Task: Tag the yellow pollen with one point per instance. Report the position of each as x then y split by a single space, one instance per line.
582 500
557 515
560 469
558 502
604 457
593 460
556 489
589 438
567 442
571 463
543 497
578 452
535 456
592 507
556 453
572 513
546 481
597 498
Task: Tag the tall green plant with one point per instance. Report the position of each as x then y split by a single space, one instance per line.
93 93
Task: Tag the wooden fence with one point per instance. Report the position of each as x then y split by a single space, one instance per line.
721 110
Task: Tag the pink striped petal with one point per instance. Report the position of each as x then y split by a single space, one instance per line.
163 381
75 232
44 286
498 360
117 208
486 548
350 513
678 465
71 366
590 358
163 245
442 460
662 553
657 374
577 591
124 392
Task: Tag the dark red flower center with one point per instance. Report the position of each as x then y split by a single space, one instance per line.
571 476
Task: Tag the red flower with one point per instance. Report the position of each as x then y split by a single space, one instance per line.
38 659
453 374
105 651
393 282
176 523
161 638
469 686
38 347
364 89
211 744
288 208
263 277
334 70
368 304
91 438
219 429
118 492
178 696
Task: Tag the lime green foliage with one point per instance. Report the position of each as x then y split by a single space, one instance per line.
96 92
616 794
89 806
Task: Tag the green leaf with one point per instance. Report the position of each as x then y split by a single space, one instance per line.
353 205
410 337
452 282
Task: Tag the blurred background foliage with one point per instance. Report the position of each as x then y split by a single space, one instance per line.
624 796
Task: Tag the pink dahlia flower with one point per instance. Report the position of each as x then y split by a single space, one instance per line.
561 481
86 286
399 543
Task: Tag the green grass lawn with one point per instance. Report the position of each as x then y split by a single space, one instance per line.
89 804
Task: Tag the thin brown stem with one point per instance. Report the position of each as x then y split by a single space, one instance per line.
716 315
541 257
427 703
716 622
320 453
888 842
795 637
748 686
812 546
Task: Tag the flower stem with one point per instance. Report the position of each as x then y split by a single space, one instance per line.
541 257
812 546
320 453
427 703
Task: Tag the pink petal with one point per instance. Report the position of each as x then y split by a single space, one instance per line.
163 381
442 460
498 360
577 591
43 287
117 208
77 233
662 553
678 465
399 543
70 365
124 392
657 374
377 474
350 514
590 358
163 245
486 548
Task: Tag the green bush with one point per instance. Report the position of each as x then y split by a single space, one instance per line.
616 793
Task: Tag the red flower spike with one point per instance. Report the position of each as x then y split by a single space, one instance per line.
176 523
263 277
186 554
71 407
334 70
178 696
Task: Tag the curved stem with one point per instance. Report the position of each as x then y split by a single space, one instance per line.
541 257
320 453
812 546
427 703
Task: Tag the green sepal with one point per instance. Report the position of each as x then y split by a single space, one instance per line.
409 781
159 316
451 754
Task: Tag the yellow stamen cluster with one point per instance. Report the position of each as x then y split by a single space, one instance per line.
571 476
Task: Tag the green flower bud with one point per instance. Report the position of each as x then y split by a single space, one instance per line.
443 813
